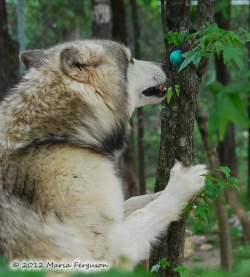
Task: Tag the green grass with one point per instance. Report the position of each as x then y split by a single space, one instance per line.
197 259
242 253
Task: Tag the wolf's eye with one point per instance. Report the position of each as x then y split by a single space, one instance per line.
131 60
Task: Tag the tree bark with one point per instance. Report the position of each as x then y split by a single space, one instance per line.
223 227
178 121
100 10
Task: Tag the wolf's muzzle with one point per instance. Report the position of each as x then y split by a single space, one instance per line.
168 82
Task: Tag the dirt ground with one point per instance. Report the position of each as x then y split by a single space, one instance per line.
209 258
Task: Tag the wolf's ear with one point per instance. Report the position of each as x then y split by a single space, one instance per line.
74 62
30 57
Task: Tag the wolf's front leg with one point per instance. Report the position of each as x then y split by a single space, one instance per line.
139 202
144 225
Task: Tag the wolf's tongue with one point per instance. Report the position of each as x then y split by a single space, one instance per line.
160 87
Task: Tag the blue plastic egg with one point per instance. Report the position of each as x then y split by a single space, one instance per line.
176 58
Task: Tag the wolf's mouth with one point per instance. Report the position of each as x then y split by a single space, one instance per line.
158 91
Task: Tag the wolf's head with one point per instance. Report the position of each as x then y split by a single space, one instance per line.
101 64
83 92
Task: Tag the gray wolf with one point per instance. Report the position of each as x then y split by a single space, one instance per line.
62 130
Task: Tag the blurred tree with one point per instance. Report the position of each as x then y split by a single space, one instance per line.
178 119
214 163
4 50
100 18
227 147
50 22
8 50
119 30
140 115
127 160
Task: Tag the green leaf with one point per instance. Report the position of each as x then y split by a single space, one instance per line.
167 35
215 87
223 124
177 89
234 182
175 37
237 41
209 178
155 268
247 34
217 46
229 106
182 270
213 120
200 212
222 183
164 263
196 57
212 191
225 170
237 89
238 113
184 64
188 208
230 52
212 27
193 56
182 35
169 95
209 194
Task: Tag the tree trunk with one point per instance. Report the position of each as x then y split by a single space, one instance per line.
118 21
226 148
178 120
140 115
227 156
100 10
127 160
128 169
223 227
141 152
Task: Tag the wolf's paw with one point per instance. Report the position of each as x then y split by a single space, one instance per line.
186 182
